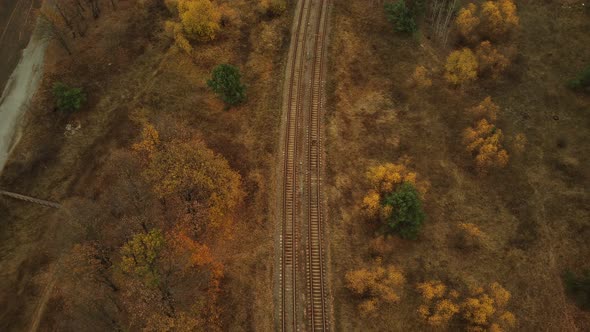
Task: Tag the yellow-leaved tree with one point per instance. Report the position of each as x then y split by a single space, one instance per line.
200 19
195 20
375 285
461 67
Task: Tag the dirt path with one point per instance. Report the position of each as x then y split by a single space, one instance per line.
40 309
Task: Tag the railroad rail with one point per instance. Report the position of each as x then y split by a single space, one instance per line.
315 252
30 199
288 272
307 119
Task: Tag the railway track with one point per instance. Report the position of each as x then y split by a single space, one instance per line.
302 195
315 252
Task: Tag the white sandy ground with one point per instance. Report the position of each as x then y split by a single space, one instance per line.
19 90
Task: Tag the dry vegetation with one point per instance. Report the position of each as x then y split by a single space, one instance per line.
165 190
507 205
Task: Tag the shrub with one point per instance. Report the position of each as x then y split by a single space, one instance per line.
582 81
461 66
486 109
68 99
401 17
421 77
484 141
406 215
225 82
486 311
490 60
578 288
375 286
438 306
470 236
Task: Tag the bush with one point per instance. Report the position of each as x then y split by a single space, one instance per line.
225 82
401 16
582 81
578 288
375 286
406 211
68 99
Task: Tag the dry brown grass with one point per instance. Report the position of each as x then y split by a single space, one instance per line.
130 73
534 212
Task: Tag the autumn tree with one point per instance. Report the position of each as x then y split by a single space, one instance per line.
439 304
226 82
140 254
485 109
53 27
200 19
484 142
83 284
499 18
491 61
191 172
375 286
467 22
461 67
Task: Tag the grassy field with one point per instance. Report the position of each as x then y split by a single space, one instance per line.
534 212
131 71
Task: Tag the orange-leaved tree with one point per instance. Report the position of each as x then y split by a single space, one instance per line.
190 171
484 141
485 109
499 18
375 285
200 19
490 59
461 67
467 22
